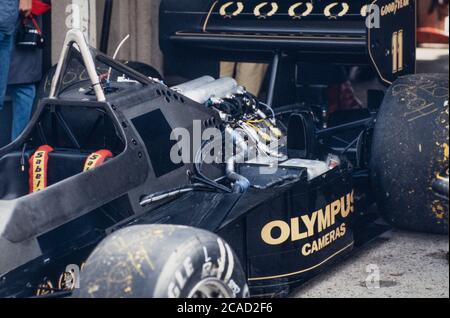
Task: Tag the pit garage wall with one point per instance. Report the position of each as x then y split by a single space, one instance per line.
139 18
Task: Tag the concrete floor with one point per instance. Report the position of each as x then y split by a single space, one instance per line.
410 265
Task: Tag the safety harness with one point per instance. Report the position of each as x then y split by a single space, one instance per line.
97 159
39 169
39 162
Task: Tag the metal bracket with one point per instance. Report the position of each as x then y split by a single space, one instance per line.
273 78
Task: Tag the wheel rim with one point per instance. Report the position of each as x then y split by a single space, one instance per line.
211 288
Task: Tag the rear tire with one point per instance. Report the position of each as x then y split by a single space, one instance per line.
410 148
163 261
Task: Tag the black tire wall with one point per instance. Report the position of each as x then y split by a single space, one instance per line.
410 148
150 261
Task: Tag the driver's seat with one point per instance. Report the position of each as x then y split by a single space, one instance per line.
48 166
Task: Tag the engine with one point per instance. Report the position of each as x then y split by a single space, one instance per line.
253 135
238 109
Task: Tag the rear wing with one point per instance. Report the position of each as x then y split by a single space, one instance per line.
315 30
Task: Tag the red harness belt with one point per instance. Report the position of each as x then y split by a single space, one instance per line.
38 173
39 169
96 159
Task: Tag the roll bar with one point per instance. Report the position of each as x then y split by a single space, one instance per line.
77 37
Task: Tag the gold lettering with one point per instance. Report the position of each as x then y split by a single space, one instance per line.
266 233
315 247
306 249
394 6
352 201
335 210
327 239
296 234
333 236
310 222
303 227
345 206
343 229
324 220
321 243
400 50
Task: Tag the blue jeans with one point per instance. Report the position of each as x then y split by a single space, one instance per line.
22 96
5 57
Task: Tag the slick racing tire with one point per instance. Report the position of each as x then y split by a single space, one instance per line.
410 149
162 261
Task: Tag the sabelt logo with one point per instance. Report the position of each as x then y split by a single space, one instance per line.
39 169
96 159
304 227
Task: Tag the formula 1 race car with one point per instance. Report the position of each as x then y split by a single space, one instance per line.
121 186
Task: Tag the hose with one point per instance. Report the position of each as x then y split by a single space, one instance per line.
198 161
159 196
240 183
164 195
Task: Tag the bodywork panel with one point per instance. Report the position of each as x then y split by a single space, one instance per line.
313 31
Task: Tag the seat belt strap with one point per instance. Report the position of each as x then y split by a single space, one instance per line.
38 174
96 159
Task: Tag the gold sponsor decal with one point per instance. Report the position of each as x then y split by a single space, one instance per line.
394 52
344 10
397 52
257 11
394 6
364 10
305 270
324 241
238 10
293 13
307 226
297 10
400 50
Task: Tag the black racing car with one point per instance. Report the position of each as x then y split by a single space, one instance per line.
110 191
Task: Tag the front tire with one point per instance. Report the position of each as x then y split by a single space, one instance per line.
163 261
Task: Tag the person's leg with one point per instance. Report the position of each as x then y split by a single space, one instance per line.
5 55
22 100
